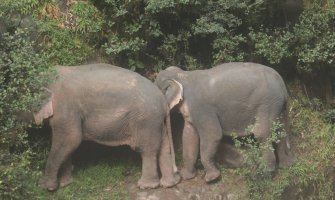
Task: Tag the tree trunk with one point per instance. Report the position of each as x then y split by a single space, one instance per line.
326 84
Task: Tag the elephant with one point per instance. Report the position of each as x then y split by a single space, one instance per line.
224 100
112 106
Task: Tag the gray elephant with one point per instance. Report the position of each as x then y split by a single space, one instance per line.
225 99
111 106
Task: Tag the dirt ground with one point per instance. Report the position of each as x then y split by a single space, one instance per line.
194 189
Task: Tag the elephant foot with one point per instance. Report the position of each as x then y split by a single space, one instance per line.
64 181
212 175
288 161
270 159
188 174
147 183
170 181
50 185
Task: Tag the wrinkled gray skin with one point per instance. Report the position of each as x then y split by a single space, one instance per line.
229 98
111 106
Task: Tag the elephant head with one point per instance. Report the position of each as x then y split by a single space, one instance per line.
46 110
169 83
38 113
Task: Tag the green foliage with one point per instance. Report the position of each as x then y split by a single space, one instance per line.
23 72
166 32
15 175
219 23
310 43
315 147
62 45
275 47
20 6
89 19
69 36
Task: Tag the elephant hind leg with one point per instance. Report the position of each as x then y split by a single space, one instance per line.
285 156
65 140
148 145
149 178
262 133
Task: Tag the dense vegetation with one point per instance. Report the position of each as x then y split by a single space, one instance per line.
297 38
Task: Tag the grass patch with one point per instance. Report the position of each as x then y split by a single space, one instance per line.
101 177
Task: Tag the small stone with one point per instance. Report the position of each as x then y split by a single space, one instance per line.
108 188
218 197
177 191
231 197
194 197
142 194
153 197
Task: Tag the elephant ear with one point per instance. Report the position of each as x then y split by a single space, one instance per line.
45 112
174 93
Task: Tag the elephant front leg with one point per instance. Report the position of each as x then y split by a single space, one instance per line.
64 142
190 151
66 173
149 177
210 133
207 154
56 158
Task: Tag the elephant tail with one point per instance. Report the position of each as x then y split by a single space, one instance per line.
287 125
169 133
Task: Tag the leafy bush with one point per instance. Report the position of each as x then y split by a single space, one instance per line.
68 35
310 43
22 7
162 33
23 72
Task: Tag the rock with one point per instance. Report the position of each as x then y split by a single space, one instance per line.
193 196
153 197
231 197
142 196
218 197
